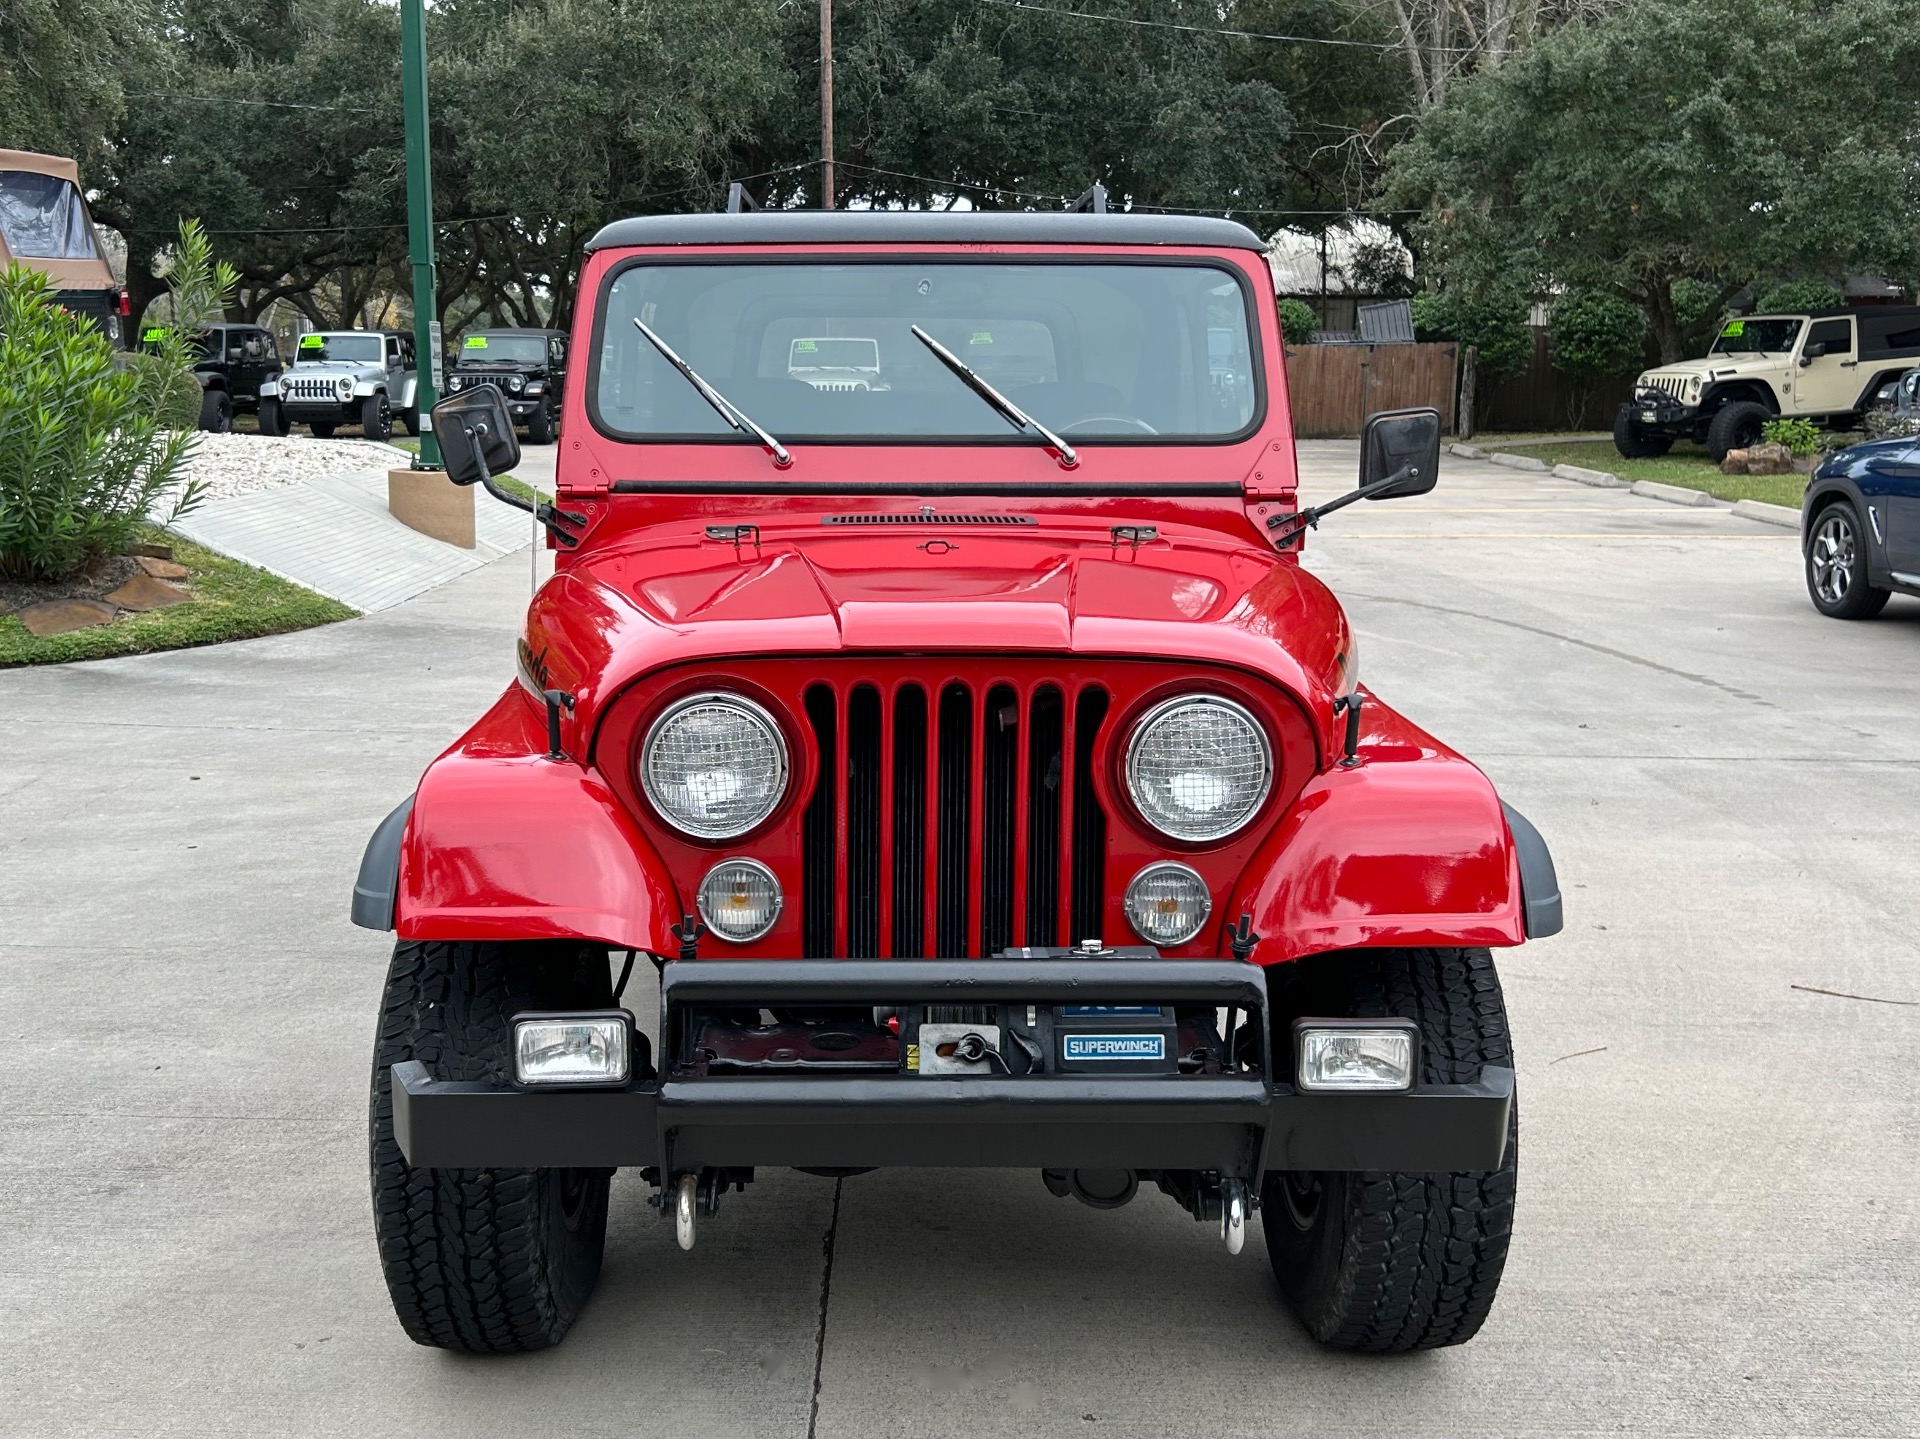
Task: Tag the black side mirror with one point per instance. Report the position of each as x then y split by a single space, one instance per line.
476 435
1397 440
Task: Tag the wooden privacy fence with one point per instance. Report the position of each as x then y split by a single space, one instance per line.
1334 388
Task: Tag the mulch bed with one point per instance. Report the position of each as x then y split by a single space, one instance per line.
108 572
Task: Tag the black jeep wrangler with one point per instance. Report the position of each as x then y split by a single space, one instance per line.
231 362
528 366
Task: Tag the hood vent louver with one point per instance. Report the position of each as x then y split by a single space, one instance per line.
928 517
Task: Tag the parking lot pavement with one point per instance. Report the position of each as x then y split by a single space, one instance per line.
1719 1221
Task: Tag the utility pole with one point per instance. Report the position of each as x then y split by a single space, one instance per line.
826 104
426 310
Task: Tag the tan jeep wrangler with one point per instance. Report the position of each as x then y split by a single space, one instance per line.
1824 367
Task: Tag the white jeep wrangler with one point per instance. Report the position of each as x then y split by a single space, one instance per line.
344 377
1826 367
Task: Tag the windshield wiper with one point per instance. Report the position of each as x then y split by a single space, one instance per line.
722 406
1007 410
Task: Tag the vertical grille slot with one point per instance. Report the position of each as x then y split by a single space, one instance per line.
1089 823
817 879
1046 737
863 823
910 823
1000 759
953 859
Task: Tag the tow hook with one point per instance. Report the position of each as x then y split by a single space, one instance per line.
690 1195
1233 1215
683 1206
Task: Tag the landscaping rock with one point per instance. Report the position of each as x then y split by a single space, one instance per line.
1769 460
58 617
156 551
162 569
144 592
1672 494
1735 463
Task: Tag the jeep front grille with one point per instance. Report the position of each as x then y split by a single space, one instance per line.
953 823
301 387
1672 384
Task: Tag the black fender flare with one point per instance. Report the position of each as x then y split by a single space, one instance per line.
379 881
1539 885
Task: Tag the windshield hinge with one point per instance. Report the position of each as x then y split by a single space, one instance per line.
1133 535
736 535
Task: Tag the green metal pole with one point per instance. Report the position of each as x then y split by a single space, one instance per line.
426 310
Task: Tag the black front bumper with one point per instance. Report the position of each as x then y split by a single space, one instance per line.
1656 409
1240 1124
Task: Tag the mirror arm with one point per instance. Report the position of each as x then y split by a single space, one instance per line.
1313 514
561 524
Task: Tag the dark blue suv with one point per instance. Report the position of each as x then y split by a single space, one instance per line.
1860 528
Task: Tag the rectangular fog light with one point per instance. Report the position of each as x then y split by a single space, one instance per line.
1355 1055
572 1049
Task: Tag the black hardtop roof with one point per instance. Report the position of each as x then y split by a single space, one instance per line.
513 330
929 227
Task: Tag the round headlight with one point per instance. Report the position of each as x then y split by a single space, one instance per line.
740 899
1167 904
343 387
1198 767
514 382
714 765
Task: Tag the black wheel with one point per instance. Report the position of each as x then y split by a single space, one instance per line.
490 1261
216 412
1837 566
410 419
1393 1262
376 417
1735 426
322 429
272 422
540 427
1634 443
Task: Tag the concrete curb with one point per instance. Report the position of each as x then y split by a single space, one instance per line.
1466 452
1782 515
1672 494
1604 479
1519 462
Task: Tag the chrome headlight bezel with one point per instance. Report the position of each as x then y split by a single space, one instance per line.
754 711
1202 913
1159 713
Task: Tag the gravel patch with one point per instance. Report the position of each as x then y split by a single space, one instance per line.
243 464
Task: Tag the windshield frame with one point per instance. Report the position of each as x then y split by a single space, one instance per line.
1800 323
1141 257
538 338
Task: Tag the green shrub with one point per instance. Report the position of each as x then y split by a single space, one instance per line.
1594 335
83 458
1298 323
1494 323
1792 297
198 288
171 394
1797 435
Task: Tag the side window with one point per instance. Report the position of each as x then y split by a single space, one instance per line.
557 351
267 347
406 351
256 346
1835 337
393 352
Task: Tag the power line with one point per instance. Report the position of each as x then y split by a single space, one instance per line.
1199 29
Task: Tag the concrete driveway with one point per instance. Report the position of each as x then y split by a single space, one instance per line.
1721 1171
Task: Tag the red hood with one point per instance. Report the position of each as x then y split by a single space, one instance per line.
674 595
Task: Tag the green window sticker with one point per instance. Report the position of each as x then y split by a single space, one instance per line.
153 335
1735 329
313 342
981 337
805 347
475 342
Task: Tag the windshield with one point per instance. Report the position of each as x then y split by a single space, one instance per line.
357 349
43 218
1113 350
1751 337
503 350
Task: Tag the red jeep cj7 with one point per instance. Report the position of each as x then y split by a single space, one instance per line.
930 695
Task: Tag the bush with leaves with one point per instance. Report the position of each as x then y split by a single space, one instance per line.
1494 323
83 459
1595 336
1796 297
1797 435
198 288
1298 323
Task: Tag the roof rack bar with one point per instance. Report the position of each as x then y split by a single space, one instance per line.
738 200
1092 201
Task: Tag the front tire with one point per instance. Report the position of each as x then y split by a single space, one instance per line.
1836 563
490 1261
273 422
1735 426
1388 1263
216 412
1634 443
410 419
540 427
376 418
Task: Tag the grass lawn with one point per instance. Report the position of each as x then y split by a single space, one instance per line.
1684 464
506 482
231 601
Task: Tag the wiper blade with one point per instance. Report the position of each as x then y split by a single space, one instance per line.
1008 411
722 406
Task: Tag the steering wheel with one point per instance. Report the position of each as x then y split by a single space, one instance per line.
1141 425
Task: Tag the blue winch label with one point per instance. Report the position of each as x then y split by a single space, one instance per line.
1114 1046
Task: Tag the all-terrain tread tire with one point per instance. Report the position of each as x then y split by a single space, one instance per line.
376 418
1397 1262
272 419
1734 426
216 412
540 427
1633 443
489 1261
